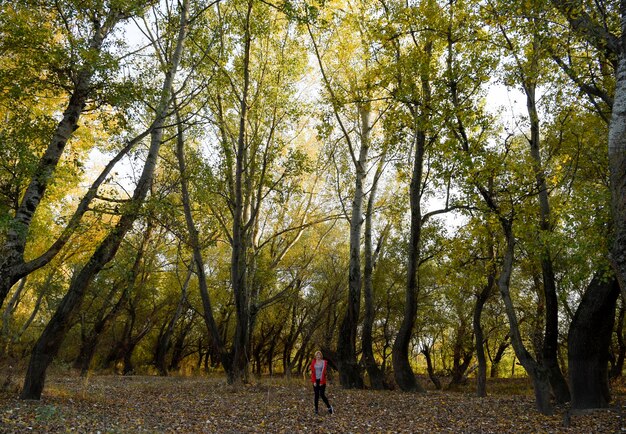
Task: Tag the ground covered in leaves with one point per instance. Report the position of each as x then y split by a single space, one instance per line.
112 404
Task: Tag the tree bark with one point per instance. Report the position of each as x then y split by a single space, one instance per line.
403 372
238 273
589 338
479 337
618 364
495 362
349 370
462 356
10 308
535 370
613 48
104 318
50 341
430 368
375 374
617 168
549 355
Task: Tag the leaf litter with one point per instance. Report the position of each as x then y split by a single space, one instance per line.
147 404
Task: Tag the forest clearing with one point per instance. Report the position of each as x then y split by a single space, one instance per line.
403 193
129 404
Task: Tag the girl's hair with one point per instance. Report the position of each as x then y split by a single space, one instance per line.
319 352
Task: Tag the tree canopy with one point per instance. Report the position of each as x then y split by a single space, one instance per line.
424 188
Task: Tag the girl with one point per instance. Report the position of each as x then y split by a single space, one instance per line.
318 378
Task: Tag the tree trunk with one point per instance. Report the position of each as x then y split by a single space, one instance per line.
461 357
495 362
421 117
165 339
613 47
87 350
400 353
238 274
349 370
536 371
178 348
618 365
375 374
588 340
128 368
549 355
209 320
10 308
50 341
104 318
12 265
479 338
430 369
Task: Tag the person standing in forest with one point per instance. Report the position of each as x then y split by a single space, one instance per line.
318 378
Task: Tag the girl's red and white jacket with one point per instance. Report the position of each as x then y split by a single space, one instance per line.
323 379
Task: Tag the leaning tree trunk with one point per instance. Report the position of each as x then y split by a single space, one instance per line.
105 319
430 368
90 342
588 340
49 343
535 370
178 347
10 307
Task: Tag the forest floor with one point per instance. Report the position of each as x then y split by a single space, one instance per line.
138 404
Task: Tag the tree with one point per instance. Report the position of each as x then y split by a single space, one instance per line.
351 94
374 372
605 38
194 242
50 340
110 310
79 63
252 177
415 95
588 344
528 69
164 340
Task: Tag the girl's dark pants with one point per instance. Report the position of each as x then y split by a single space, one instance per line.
320 390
